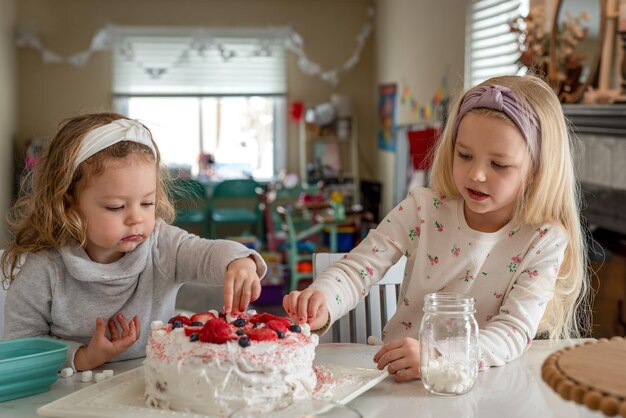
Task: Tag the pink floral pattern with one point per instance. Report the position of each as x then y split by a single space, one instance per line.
467 277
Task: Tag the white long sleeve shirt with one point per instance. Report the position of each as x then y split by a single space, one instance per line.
510 273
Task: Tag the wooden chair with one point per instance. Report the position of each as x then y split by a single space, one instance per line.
372 313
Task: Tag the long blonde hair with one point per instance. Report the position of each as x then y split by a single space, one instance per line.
551 194
46 215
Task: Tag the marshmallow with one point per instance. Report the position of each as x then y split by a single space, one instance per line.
372 340
108 373
156 325
86 376
99 377
445 376
67 372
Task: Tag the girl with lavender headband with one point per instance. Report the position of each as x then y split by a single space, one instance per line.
100 261
499 222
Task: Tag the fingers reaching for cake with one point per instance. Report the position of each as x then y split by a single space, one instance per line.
307 307
242 285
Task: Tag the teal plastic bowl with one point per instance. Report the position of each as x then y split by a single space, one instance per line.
29 366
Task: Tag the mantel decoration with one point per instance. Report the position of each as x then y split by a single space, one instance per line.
103 40
534 45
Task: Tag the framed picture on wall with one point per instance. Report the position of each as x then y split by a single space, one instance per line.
387 116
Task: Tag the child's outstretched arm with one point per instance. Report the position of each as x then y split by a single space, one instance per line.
186 257
340 287
102 349
307 307
242 284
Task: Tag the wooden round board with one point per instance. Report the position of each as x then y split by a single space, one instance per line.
591 374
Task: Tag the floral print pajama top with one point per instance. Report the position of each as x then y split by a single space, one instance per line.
511 273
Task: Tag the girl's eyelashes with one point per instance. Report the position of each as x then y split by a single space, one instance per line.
118 208
495 164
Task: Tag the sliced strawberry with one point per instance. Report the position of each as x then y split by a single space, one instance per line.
277 325
182 318
265 317
202 317
262 334
190 330
217 331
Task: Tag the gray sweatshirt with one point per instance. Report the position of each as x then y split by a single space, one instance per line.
59 293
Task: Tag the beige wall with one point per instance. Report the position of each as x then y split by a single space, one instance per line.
49 93
7 109
417 43
413 40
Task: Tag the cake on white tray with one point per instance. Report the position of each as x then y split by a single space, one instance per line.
214 364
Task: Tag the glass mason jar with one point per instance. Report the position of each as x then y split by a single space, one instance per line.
449 354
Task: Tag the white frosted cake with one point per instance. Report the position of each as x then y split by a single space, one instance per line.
214 364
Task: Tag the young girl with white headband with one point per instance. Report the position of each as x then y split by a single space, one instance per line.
500 222
100 261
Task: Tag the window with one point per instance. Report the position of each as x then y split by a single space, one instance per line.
218 92
492 49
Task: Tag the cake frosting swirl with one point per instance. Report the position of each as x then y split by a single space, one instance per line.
214 364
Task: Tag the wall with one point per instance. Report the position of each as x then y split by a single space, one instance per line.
49 93
417 43
7 109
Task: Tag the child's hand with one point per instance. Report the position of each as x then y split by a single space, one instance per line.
242 285
101 349
308 306
402 358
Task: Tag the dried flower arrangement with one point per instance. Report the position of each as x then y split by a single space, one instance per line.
534 48
533 41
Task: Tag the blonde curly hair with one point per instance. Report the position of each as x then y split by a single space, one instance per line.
46 214
551 194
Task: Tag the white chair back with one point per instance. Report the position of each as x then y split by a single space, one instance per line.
372 313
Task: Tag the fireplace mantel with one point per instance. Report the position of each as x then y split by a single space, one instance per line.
604 207
598 119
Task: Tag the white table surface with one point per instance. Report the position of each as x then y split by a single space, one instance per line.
514 390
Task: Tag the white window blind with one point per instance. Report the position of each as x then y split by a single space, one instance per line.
188 61
492 48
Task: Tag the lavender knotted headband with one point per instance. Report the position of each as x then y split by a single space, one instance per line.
502 99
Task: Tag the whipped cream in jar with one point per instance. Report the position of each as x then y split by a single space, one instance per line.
449 353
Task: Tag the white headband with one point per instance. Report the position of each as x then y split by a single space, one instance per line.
117 131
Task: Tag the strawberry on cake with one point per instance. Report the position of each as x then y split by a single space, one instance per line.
214 363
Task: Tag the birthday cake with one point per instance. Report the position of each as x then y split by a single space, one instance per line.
213 363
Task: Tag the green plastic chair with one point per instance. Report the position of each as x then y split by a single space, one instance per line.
191 203
236 201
